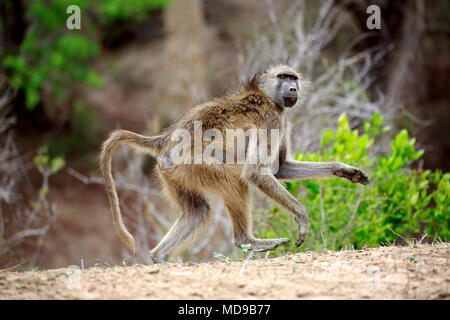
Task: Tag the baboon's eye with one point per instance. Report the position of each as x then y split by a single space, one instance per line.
284 76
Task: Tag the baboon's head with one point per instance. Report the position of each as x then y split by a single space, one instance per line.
280 83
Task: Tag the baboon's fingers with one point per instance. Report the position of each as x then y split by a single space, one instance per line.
353 174
364 178
263 245
359 176
285 240
301 239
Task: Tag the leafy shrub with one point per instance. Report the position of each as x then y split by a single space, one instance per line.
52 55
399 201
119 10
45 163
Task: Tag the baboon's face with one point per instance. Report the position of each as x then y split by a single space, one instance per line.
281 86
288 90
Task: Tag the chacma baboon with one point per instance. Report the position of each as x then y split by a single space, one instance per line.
259 104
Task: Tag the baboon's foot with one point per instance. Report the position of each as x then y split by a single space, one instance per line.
353 174
158 258
262 245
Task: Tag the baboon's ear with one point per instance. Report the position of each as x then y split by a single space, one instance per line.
253 82
261 83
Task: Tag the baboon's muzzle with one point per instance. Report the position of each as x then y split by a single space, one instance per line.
290 95
290 100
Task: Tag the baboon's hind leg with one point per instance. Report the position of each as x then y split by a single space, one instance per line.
195 213
238 208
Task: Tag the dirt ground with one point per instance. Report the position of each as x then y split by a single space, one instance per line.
420 272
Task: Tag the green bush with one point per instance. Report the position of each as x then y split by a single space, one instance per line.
398 202
120 10
52 55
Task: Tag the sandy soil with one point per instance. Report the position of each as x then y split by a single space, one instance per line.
379 273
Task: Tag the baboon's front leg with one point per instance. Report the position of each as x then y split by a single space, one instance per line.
296 170
273 188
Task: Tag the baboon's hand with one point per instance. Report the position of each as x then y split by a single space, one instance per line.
301 239
352 173
299 242
302 232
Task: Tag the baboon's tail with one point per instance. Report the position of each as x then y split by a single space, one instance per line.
152 145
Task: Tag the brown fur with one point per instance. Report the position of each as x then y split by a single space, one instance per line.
188 184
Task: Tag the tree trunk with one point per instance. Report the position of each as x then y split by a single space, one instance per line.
183 81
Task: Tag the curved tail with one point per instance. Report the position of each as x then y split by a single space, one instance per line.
152 145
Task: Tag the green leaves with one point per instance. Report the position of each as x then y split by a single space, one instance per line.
120 10
52 55
327 137
246 247
43 161
57 164
46 166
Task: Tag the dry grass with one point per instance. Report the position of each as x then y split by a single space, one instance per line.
420 272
